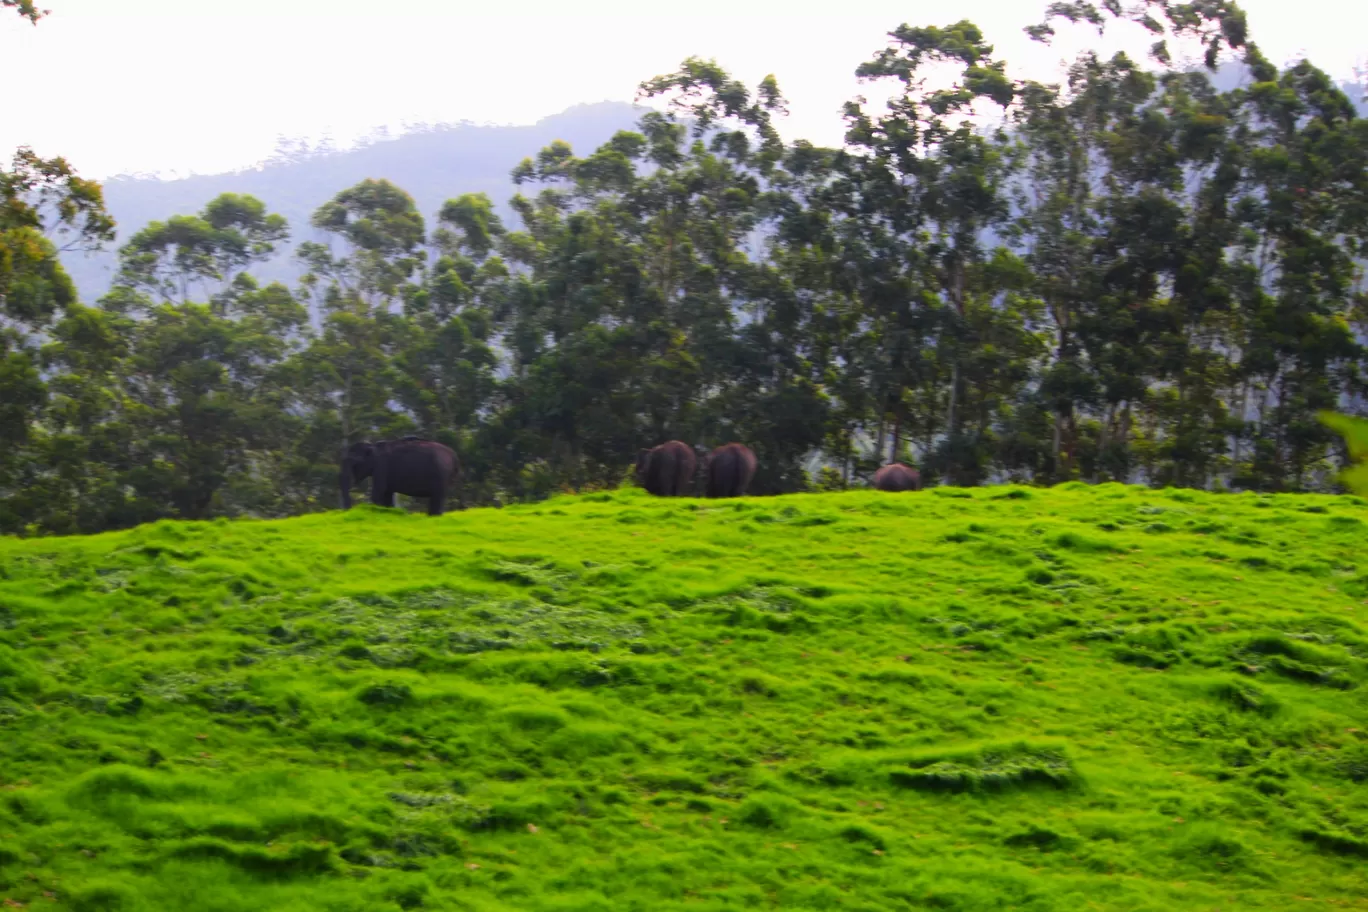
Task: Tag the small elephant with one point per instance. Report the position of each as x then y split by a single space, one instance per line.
412 466
730 470
897 477
667 470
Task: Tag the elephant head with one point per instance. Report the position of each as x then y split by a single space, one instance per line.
358 464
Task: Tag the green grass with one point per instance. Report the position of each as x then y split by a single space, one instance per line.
1080 698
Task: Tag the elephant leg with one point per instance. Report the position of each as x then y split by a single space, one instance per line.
437 496
382 492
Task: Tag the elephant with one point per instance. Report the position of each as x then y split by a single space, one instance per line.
411 465
897 477
667 470
730 470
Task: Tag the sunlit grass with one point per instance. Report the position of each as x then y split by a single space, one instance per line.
1080 698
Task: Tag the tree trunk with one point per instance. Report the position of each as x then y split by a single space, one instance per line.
344 482
1126 433
1102 440
1243 400
1071 442
1058 444
346 410
950 414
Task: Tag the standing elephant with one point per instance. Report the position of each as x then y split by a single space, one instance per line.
730 470
897 477
412 466
667 470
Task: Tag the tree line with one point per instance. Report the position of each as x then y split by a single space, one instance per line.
1130 275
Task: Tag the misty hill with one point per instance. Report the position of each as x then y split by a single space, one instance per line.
433 165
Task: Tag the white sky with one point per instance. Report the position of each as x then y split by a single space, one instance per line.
180 86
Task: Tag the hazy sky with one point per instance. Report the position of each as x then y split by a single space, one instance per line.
207 85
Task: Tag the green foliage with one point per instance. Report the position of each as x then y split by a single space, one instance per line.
1217 25
382 230
1355 433
168 258
42 199
25 8
528 707
1137 276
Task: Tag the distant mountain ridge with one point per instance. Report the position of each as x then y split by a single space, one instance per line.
433 165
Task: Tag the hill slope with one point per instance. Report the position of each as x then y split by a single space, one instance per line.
432 166
1101 698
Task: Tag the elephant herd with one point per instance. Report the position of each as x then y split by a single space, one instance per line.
668 470
425 468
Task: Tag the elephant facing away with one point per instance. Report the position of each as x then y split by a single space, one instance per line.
667 470
411 466
897 477
730 470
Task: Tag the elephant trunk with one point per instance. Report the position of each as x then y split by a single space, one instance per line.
344 481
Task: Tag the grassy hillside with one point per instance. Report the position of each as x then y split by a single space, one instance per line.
1103 698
